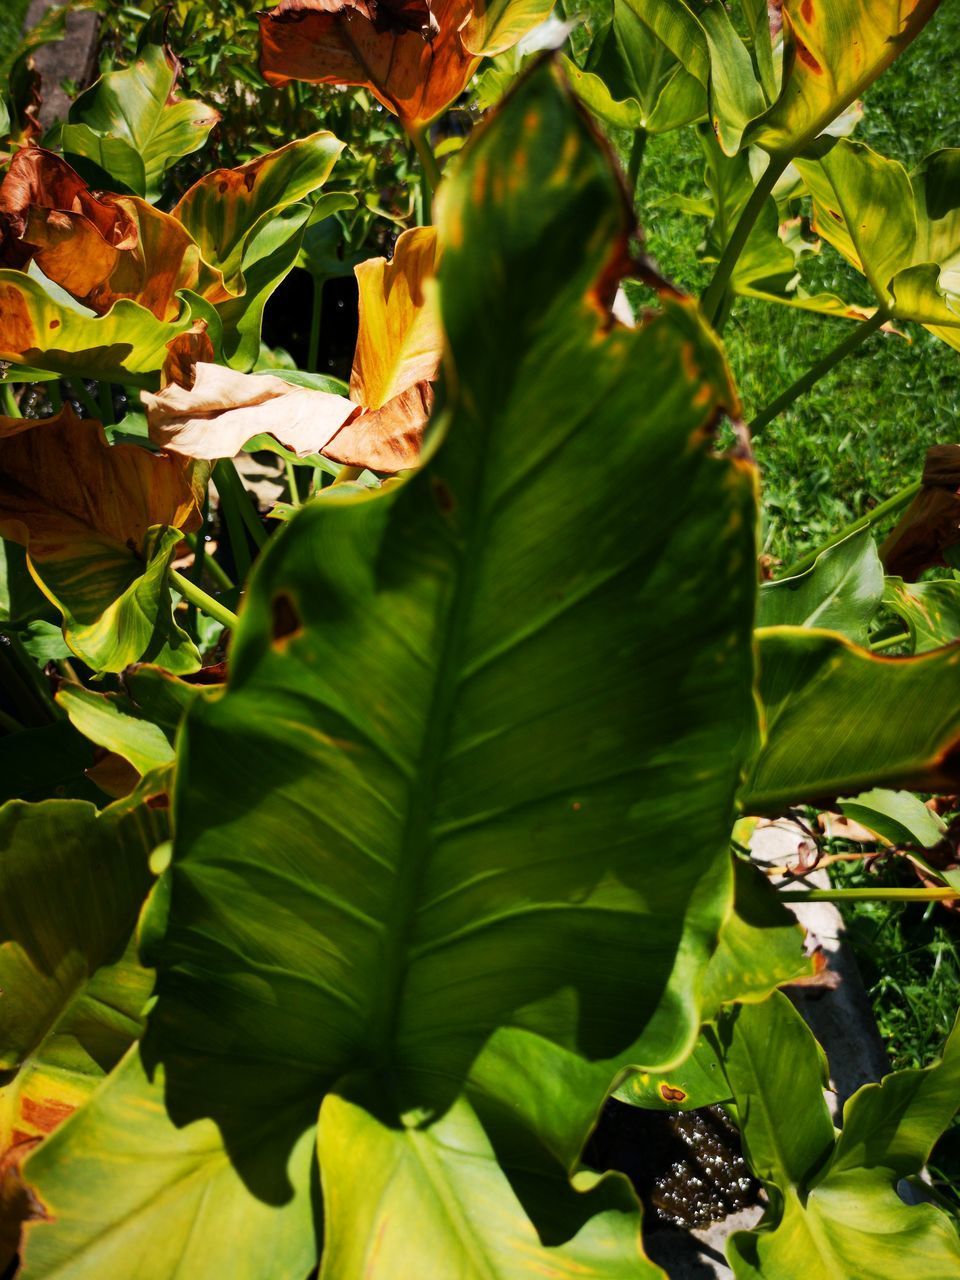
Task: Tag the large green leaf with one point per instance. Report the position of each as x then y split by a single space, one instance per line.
43 331
133 127
901 230
835 1209
839 720
466 757
842 591
632 80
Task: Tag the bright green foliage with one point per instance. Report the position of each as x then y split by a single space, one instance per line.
356 864
902 231
128 126
842 592
834 1207
931 610
896 816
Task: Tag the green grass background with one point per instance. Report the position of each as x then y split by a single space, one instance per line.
862 433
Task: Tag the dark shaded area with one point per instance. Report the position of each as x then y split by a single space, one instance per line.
687 1167
287 316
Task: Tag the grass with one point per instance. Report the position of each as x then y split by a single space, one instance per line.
862 433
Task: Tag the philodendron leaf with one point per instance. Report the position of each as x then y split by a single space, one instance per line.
839 719
128 344
898 817
697 1082
837 1212
833 51
226 209
931 610
901 230
632 80
841 592
422 839
100 524
137 109
71 883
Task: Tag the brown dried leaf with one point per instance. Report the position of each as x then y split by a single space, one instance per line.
409 55
931 524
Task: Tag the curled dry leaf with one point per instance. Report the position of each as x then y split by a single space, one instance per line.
98 247
208 411
415 57
222 409
931 524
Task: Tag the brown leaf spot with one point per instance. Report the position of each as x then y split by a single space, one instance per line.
807 58
806 11
54 324
669 1093
443 496
44 1115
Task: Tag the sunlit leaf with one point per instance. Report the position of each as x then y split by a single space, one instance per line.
842 591
137 108
100 525
398 715
835 1210
839 719
898 817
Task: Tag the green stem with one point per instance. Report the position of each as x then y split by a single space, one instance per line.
11 408
879 513
313 345
818 371
86 399
292 484
429 172
346 474
869 895
890 642
210 566
206 604
238 514
53 392
635 163
105 396
712 300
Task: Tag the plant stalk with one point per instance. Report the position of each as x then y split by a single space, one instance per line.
879 512
210 566
206 604
890 642
635 163
818 371
10 406
295 499
869 895
429 173
239 515
713 298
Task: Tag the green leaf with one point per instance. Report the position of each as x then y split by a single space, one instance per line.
107 720
841 592
777 1072
931 610
632 80
902 231
839 720
422 838
837 1212
760 946
130 124
697 1082
227 209
128 344
896 816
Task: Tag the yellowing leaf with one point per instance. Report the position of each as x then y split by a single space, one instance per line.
400 340
100 525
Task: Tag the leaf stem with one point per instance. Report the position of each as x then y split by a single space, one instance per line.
238 514
879 512
206 604
316 311
818 371
635 163
210 566
105 396
292 484
713 297
346 474
11 408
890 642
429 172
869 895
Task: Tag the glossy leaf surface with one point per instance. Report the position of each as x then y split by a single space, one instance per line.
841 592
399 716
